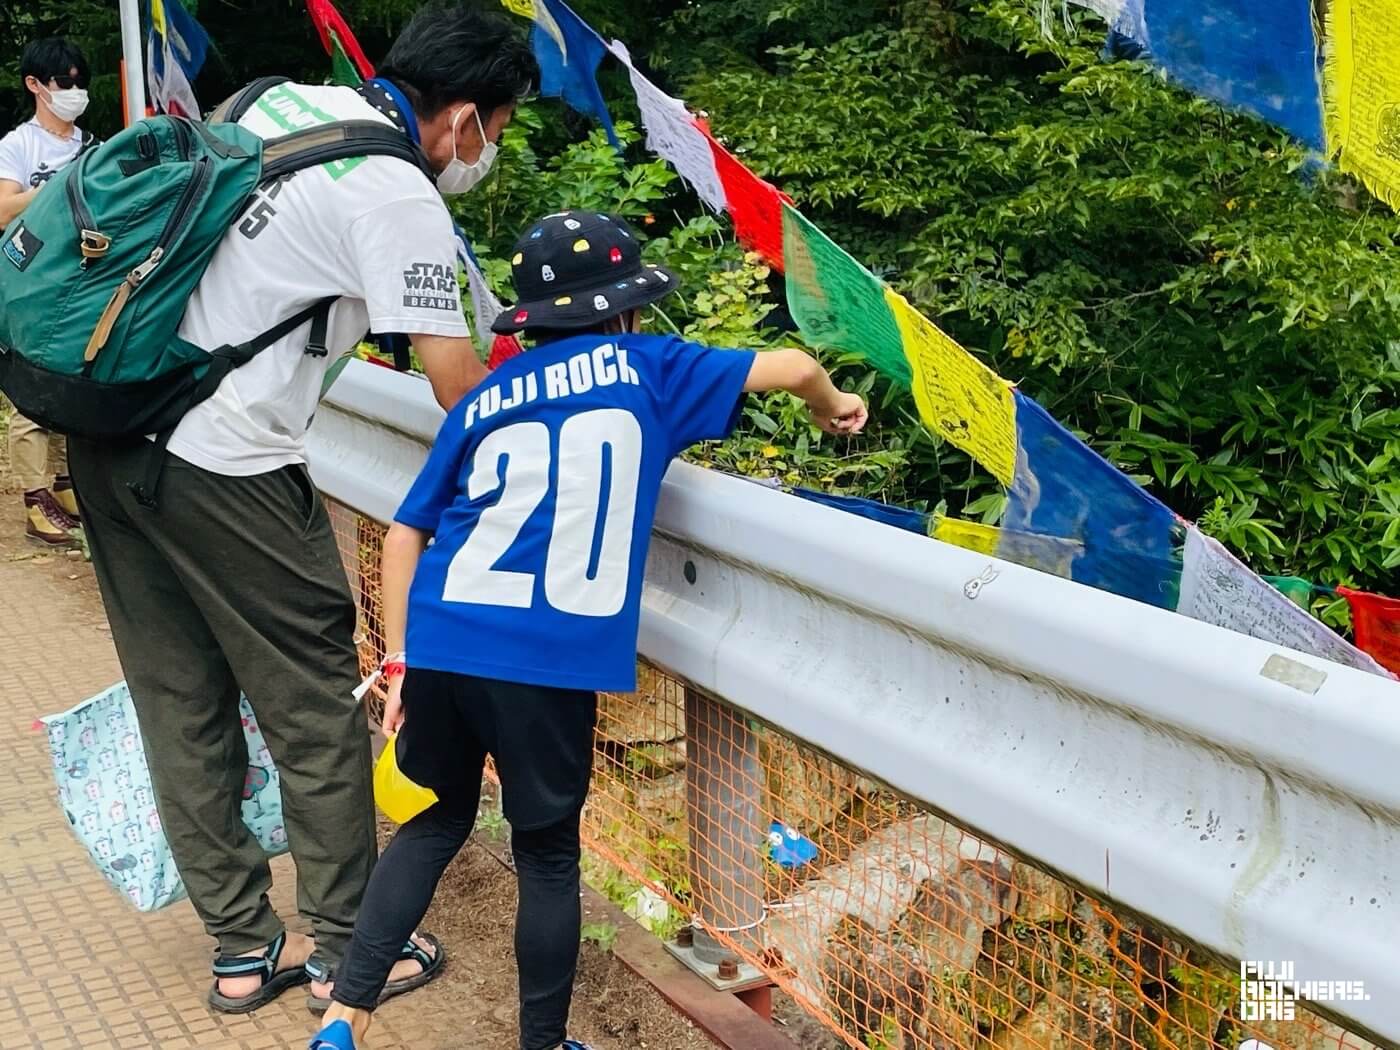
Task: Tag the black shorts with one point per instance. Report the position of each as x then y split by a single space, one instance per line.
541 739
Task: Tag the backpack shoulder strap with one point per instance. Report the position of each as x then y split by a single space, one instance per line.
339 141
231 109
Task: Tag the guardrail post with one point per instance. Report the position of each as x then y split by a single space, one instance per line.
724 793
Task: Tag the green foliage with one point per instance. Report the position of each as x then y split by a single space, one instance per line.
1173 281
491 821
1179 284
603 934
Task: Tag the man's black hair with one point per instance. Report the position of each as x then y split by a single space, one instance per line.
456 53
52 57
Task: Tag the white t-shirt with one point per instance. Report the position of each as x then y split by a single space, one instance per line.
31 156
372 230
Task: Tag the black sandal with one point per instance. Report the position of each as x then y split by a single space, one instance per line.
432 965
273 982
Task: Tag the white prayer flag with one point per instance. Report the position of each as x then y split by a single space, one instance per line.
1218 588
672 134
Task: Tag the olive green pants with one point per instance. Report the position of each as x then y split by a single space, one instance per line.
235 583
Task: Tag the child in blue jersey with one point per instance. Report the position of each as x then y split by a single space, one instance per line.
538 497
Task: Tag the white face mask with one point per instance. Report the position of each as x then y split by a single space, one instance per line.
459 176
67 104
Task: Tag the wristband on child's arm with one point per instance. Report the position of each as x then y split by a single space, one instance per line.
392 666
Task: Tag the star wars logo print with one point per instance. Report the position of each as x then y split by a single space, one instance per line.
431 286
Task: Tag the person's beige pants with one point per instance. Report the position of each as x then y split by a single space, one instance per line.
29 453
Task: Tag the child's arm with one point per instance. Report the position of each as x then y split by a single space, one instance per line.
403 546
798 373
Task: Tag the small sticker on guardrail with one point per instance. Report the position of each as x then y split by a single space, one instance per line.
974 586
1292 673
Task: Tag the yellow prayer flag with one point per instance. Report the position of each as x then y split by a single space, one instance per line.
959 398
970 535
1043 553
1362 86
158 18
523 8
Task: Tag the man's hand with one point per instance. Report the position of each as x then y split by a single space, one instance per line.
848 415
393 706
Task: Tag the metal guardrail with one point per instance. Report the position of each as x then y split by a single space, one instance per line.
1241 794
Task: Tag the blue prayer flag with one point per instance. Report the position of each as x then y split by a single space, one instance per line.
885 513
1064 488
568 51
1256 55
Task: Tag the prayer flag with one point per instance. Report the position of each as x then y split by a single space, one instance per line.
1257 55
1376 621
959 398
673 135
1363 92
1295 589
838 302
333 30
343 71
1064 488
1218 588
755 206
884 513
568 51
485 306
177 46
1044 553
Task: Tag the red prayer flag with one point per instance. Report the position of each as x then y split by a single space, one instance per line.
755 206
1377 623
503 348
326 18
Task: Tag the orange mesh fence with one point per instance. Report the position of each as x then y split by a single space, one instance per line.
893 927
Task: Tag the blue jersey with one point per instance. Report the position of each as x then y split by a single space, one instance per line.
540 492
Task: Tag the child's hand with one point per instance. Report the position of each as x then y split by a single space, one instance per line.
847 415
393 706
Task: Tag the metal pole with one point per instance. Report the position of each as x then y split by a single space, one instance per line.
723 784
133 65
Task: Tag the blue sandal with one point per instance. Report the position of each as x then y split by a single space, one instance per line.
273 982
335 1036
432 966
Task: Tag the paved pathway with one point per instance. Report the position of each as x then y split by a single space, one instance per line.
79 968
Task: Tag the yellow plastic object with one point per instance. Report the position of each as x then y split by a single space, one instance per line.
399 798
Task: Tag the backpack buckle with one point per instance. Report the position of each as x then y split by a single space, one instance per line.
94 245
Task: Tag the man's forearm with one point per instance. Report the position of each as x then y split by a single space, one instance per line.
11 204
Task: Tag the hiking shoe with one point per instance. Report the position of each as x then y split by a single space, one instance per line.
570 1044
46 520
66 498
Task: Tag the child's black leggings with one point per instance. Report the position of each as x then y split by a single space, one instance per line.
546 920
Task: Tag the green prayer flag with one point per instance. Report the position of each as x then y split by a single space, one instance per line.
343 71
333 373
1298 590
838 302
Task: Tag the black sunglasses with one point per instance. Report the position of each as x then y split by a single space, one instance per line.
64 82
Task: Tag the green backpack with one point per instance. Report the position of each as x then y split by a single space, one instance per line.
96 272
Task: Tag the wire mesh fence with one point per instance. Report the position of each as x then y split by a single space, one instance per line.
894 927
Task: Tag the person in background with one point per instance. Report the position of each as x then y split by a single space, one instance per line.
231 580
55 72
538 498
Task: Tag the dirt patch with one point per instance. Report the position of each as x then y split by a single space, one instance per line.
802 1028
474 915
